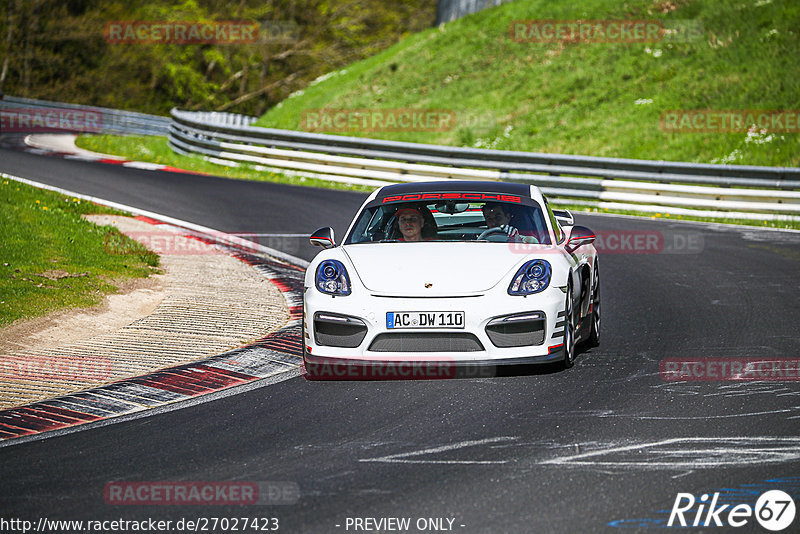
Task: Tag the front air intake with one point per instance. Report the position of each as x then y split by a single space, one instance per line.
426 342
520 330
334 330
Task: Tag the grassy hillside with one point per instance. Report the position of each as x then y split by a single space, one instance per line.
602 99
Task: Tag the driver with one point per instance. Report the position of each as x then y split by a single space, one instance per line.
497 216
410 222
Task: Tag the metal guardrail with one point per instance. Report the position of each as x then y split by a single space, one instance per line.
672 187
104 120
747 191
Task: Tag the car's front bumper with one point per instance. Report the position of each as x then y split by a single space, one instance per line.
481 353
325 368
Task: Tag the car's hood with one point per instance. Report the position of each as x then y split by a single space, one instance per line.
432 269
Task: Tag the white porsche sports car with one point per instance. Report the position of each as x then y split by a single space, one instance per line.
437 277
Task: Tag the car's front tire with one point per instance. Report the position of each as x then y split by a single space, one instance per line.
569 330
304 351
594 334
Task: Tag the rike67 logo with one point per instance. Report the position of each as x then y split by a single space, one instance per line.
774 510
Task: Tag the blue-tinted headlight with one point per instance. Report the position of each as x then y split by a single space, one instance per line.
532 277
332 278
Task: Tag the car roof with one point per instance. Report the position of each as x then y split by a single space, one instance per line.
522 190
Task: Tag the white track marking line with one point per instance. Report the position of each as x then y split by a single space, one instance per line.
733 455
402 458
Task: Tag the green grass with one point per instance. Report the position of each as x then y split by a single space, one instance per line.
580 98
155 149
52 259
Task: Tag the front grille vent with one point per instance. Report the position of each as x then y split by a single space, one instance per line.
426 342
517 331
332 330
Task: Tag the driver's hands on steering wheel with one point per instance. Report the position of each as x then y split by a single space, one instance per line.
509 230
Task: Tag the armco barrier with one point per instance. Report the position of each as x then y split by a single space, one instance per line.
726 190
111 121
732 191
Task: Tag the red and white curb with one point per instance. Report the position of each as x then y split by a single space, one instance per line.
63 146
279 353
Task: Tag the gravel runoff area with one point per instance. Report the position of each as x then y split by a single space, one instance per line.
206 302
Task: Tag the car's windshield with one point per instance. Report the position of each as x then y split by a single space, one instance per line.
450 221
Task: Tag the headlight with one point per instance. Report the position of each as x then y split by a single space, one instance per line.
532 277
332 278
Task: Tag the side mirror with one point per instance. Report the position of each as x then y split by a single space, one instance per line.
579 236
564 217
323 238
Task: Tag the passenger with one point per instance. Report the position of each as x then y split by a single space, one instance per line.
497 216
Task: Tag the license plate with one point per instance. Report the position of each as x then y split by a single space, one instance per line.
447 319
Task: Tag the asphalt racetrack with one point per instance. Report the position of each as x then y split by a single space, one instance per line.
604 446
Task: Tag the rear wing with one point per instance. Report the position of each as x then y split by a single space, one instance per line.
564 217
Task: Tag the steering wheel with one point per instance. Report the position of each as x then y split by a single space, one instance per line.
490 231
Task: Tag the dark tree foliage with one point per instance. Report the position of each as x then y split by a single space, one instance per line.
57 50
